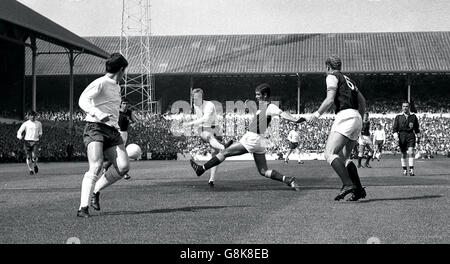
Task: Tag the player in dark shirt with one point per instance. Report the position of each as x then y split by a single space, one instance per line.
407 133
350 106
365 142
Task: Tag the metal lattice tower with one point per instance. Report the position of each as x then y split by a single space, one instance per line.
135 46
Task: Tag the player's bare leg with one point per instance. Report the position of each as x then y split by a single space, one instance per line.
124 135
95 159
335 144
34 160
121 165
213 142
286 159
261 165
234 150
369 156
29 164
360 154
299 159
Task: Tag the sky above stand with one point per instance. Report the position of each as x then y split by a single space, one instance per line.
229 17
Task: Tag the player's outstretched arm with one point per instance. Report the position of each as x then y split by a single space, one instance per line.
326 104
289 117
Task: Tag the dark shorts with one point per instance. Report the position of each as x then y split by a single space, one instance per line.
98 132
30 146
293 145
379 143
406 140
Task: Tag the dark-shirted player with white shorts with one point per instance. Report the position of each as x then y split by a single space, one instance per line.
101 102
350 106
253 141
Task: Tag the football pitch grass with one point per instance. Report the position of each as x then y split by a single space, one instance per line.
165 202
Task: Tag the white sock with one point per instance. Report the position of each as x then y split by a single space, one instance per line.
213 173
411 162
101 184
87 187
403 160
108 178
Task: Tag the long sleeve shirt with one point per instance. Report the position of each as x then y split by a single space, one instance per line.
100 99
406 124
33 130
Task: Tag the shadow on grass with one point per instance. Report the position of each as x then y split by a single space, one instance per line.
168 210
402 198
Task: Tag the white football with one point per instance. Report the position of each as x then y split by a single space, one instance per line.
134 151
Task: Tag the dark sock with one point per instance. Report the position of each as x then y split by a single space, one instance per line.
275 175
411 167
368 159
212 163
404 168
359 161
353 173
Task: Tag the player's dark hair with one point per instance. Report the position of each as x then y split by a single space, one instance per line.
115 63
334 62
197 90
124 100
263 89
32 113
406 102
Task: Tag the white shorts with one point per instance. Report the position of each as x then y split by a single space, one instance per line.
254 143
348 123
124 135
364 140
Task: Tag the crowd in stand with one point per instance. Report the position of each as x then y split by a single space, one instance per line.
163 136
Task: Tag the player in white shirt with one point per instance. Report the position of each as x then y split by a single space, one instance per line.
207 125
253 141
33 132
101 102
379 137
294 140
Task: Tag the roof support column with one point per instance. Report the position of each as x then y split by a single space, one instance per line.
409 88
71 63
299 82
33 70
191 86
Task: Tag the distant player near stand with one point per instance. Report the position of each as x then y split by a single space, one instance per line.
365 142
350 107
407 134
379 137
126 116
294 140
33 132
208 126
253 140
101 102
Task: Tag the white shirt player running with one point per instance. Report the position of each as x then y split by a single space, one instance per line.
379 135
206 114
33 130
100 99
293 136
